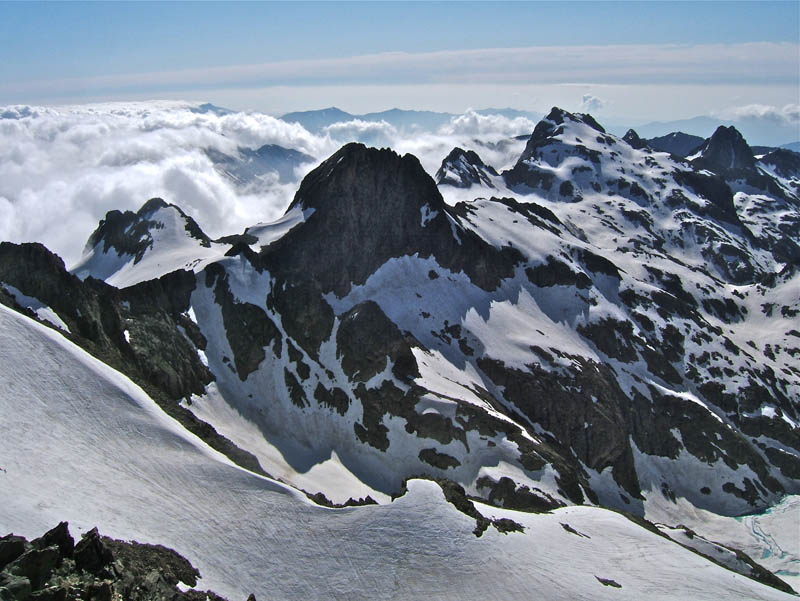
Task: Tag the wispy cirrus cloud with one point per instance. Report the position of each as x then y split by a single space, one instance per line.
746 63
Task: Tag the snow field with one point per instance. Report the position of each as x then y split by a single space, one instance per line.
114 460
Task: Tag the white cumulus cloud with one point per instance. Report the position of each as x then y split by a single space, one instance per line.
373 133
63 168
472 123
788 114
591 104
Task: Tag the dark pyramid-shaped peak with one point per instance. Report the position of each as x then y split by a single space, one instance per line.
725 150
469 155
559 116
633 139
463 169
363 206
364 184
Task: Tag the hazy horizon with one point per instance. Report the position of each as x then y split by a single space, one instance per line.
640 61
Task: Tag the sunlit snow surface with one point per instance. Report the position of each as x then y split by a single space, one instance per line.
82 443
171 248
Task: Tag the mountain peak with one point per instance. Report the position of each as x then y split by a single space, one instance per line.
463 168
384 204
633 139
725 149
559 116
555 124
357 178
122 239
785 163
153 205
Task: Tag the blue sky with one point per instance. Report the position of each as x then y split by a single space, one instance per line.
685 58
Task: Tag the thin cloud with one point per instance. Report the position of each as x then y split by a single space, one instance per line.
747 63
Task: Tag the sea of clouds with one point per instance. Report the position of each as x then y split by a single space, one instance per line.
63 168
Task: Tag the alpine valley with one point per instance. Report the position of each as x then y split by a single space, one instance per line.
575 378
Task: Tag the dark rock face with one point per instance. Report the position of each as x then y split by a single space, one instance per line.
58 536
11 547
305 315
542 399
712 188
463 169
36 565
368 341
632 138
786 163
37 272
99 569
91 554
249 329
506 493
370 206
725 149
156 354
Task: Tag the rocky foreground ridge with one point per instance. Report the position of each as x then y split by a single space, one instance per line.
54 568
615 326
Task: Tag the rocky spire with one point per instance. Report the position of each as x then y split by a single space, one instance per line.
726 149
632 138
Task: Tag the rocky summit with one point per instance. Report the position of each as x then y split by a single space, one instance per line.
614 326
463 169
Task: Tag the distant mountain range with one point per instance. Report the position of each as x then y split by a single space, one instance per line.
759 132
405 120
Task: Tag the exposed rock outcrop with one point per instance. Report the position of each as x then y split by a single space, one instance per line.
97 568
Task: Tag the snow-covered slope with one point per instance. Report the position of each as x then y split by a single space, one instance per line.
128 248
113 459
